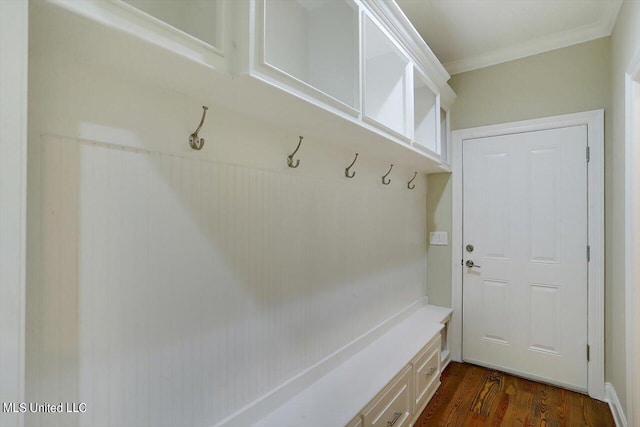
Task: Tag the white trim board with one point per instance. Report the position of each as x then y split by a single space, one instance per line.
595 137
611 397
14 19
632 238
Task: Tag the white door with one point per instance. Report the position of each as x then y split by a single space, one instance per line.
525 214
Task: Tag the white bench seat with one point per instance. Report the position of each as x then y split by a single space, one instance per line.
337 397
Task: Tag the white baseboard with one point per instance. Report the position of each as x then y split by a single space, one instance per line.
611 397
254 411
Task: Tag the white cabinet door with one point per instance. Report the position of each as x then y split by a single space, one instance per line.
525 214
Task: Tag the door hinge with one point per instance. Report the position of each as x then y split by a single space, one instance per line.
462 261
588 353
588 154
588 253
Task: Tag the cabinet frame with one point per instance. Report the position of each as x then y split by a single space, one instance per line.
294 85
155 30
236 71
407 136
446 132
433 88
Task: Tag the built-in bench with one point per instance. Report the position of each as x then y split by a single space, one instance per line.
389 382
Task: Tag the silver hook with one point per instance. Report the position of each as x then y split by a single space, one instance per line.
387 174
195 142
346 171
409 183
290 157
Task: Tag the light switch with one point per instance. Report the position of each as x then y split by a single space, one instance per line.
439 238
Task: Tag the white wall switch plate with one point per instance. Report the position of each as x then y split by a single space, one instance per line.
439 238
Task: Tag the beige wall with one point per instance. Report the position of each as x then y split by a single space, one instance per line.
577 78
439 257
625 43
568 80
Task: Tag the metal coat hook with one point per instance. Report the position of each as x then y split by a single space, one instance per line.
346 171
387 174
409 186
195 142
290 162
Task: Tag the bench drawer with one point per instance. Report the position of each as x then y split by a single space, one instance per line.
393 406
426 373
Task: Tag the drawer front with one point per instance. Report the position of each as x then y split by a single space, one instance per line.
426 374
393 406
431 346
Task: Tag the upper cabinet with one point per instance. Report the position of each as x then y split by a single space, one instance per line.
386 71
202 19
426 111
350 72
315 42
152 39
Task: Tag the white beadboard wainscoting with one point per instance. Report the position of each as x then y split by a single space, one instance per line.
171 287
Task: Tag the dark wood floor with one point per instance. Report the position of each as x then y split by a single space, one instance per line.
475 396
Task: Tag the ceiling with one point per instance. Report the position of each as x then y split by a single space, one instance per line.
470 34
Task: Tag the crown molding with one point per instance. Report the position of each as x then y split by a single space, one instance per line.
530 48
602 28
447 96
396 22
610 15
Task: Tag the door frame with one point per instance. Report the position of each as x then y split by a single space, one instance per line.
14 46
632 237
594 120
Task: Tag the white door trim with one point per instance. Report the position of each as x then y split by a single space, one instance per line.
595 136
632 239
14 18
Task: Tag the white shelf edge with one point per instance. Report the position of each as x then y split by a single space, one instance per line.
383 129
270 73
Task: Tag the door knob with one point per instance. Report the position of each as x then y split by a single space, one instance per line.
471 264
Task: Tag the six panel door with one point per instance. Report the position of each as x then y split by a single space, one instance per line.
525 273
